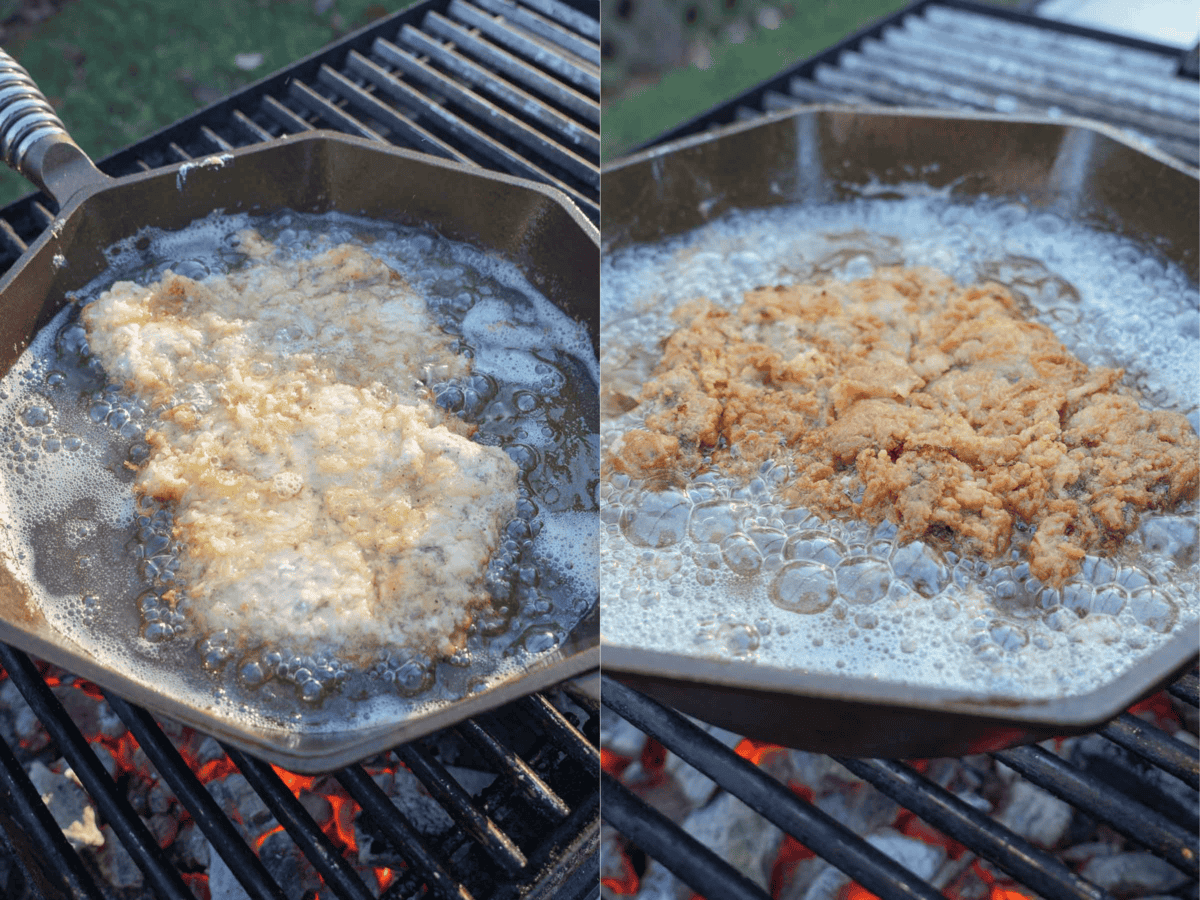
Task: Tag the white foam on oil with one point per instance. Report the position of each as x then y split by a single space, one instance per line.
74 535
726 570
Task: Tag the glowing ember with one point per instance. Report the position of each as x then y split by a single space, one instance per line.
756 751
612 763
626 883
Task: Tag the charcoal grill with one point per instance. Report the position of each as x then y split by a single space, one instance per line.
1165 830
511 87
955 55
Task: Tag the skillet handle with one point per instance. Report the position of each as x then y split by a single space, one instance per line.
34 141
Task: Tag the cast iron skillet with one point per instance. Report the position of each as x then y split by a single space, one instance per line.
528 224
1084 171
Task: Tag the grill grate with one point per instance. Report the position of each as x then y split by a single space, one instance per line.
955 54
510 87
1173 839
537 821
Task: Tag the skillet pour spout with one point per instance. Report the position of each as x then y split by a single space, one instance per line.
535 228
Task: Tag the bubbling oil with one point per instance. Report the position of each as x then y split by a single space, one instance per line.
714 566
101 564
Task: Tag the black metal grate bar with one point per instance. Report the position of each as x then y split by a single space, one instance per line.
576 829
495 119
524 779
816 830
1010 89
295 819
396 828
218 143
330 113
401 128
493 153
1153 92
553 723
1156 746
210 819
584 78
1187 689
588 51
690 860
457 802
959 820
160 875
1126 816
564 127
49 865
285 117
504 63
249 127
574 19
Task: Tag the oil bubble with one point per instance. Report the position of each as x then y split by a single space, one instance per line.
804 587
863 580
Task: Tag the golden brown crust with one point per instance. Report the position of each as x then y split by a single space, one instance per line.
909 398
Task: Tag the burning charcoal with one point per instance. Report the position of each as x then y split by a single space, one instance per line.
115 862
1036 815
827 883
160 798
82 709
737 834
472 780
241 803
71 808
287 865
618 736
222 885
318 807
1133 875
27 730
1081 853
617 875
920 858
660 884
696 788
658 789
424 813
820 773
110 723
207 751
861 808
107 760
164 828
192 847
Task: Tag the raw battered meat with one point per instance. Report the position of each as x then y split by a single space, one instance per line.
321 496
909 398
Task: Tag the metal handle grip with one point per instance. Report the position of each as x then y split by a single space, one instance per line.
34 141
25 114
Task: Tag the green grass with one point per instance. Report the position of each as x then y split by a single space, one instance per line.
683 93
120 69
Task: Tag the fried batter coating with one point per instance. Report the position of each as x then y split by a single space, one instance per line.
321 496
909 398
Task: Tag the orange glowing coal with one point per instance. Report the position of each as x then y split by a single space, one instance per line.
757 751
613 763
626 883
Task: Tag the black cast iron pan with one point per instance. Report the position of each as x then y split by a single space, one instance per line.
535 227
821 155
